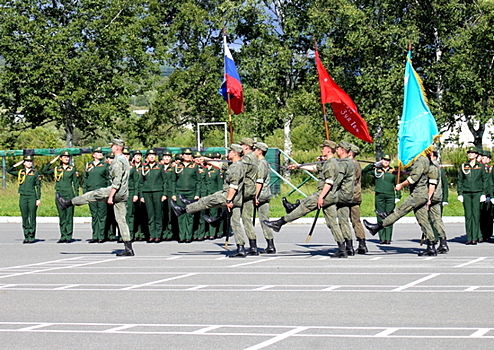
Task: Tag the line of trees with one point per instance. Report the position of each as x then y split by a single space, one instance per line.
75 65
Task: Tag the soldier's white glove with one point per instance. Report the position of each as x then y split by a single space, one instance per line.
492 200
397 200
445 204
482 198
460 198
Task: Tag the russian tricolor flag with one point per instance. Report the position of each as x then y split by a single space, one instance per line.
232 87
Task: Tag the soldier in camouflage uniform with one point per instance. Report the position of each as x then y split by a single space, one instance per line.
472 189
213 183
152 186
134 178
116 194
66 179
251 163
419 186
230 197
326 197
97 176
263 194
29 181
199 225
185 185
435 202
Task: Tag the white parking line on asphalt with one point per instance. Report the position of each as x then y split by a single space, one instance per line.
159 281
471 289
386 332
411 284
255 262
277 339
472 262
480 333
67 286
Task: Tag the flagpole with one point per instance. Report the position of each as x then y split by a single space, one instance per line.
324 113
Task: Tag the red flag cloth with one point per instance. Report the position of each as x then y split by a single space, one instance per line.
344 109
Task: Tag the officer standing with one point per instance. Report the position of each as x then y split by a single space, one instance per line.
166 161
66 179
472 189
116 194
263 194
96 176
385 195
199 226
133 194
152 187
185 185
29 181
486 207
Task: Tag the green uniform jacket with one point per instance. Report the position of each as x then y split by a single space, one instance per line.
264 177
29 181
419 177
66 179
186 179
168 170
214 180
347 185
384 179
152 178
472 178
134 181
96 176
251 163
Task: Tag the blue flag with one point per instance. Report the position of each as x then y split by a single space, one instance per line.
417 127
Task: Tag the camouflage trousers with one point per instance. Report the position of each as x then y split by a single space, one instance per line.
358 228
119 206
263 212
435 219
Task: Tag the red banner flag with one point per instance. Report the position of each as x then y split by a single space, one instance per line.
344 109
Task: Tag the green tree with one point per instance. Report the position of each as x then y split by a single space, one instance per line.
74 62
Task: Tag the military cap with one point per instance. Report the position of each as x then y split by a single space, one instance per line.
65 153
216 155
473 149
247 141
262 146
97 149
236 148
209 155
117 142
487 154
328 143
151 151
110 155
197 154
137 152
355 149
167 153
178 157
187 151
345 145
29 158
126 150
386 157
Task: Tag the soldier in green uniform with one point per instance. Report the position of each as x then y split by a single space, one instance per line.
96 176
358 228
199 226
152 187
418 180
116 194
435 203
326 197
486 207
472 189
213 183
185 185
251 163
141 230
230 196
166 162
263 194
66 179
385 195
29 181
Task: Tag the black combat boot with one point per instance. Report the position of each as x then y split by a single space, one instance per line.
430 250
270 249
383 215
186 201
275 225
240 252
177 209
215 221
289 207
349 247
362 248
443 246
62 202
253 247
128 251
373 228
341 252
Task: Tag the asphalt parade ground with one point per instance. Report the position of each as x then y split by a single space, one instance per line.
192 296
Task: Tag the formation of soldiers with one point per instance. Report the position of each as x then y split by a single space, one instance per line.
193 196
